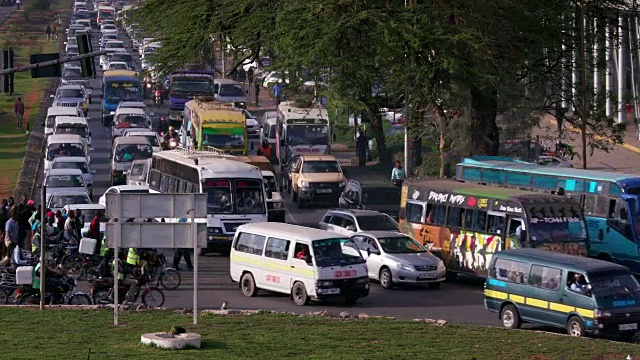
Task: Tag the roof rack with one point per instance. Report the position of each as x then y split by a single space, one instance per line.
207 152
210 103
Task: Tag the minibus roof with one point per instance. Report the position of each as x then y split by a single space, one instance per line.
289 231
560 260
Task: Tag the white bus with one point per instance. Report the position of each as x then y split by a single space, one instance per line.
236 190
301 131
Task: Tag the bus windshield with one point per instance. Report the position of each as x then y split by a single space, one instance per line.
246 197
336 252
224 138
56 150
192 85
556 222
307 134
118 91
127 153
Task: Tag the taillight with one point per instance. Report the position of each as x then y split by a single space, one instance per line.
124 125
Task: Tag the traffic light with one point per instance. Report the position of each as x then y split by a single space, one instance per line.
7 63
84 47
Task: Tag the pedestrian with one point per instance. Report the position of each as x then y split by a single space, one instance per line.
242 75
54 31
10 203
186 253
277 91
18 4
265 149
361 148
257 87
250 74
397 174
11 230
48 32
4 217
18 109
59 221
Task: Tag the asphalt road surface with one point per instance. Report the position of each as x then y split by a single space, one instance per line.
458 302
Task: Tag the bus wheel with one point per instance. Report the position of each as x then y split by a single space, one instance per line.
575 327
299 294
510 317
248 285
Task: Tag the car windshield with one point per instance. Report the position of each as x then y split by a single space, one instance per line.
59 201
130 152
122 91
272 132
137 170
153 140
400 245
381 196
556 222
58 181
118 66
231 90
307 135
71 72
72 130
224 138
121 57
69 93
321 167
607 285
114 45
131 121
376 222
81 165
192 86
55 150
336 252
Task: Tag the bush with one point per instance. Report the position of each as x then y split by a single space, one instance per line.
41 5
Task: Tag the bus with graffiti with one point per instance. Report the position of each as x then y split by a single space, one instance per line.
610 200
466 224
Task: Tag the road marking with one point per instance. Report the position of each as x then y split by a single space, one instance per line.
635 149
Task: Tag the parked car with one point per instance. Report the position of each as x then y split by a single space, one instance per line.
553 161
59 200
351 221
123 189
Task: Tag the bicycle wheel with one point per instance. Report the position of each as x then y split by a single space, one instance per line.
80 299
30 299
4 297
153 297
170 279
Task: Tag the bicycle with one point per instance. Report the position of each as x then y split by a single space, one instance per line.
168 278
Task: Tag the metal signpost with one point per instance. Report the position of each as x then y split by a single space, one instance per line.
172 234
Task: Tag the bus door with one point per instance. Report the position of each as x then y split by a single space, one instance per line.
515 226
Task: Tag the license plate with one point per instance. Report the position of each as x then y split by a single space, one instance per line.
331 291
323 191
628 327
428 276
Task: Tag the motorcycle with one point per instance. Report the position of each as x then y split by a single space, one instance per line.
168 278
102 292
170 144
157 98
60 292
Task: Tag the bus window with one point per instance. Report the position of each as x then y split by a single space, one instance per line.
589 204
495 224
602 207
454 218
414 212
479 220
467 217
514 224
436 214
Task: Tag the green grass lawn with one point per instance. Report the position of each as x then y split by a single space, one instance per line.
69 334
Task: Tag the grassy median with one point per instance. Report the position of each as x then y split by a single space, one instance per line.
73 334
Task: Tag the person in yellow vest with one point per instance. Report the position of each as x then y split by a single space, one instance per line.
35 242
134 259
131 283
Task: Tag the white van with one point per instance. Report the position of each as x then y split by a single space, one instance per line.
72 125
268 132
65 145
55 111
308 264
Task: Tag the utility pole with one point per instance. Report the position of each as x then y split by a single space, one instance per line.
584 111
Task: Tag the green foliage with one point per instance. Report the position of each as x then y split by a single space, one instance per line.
39 5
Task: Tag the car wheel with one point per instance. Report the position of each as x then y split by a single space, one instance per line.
299 294
248 285
510 317
575 327
386 279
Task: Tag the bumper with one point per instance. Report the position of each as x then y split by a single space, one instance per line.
612 327
276 215
218 244
403 276
319 195
349 289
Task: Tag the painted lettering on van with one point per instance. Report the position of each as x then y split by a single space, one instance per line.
273 278
344 273
446 198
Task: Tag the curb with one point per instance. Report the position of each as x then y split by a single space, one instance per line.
629 147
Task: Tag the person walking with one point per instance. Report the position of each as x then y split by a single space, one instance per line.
397 174
11 230
361 148
54 31
277 92
18 4
179 254
250 74
48 32
257 88
18 109
4 217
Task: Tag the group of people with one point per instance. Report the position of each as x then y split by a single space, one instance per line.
52 32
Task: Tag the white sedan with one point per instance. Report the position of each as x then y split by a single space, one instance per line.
123 189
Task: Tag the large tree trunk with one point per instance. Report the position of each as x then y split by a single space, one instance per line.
485 135
378 134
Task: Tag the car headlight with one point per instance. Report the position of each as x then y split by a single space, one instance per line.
277 205
404 266
324 283
304 184
214 230
112 112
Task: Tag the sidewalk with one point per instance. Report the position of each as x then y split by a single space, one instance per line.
623 157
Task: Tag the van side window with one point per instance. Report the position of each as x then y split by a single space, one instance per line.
250 243
545 277
277 248
510 270
301 252
414 212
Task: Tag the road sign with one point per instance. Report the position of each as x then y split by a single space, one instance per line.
125 206
45 71
154 235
